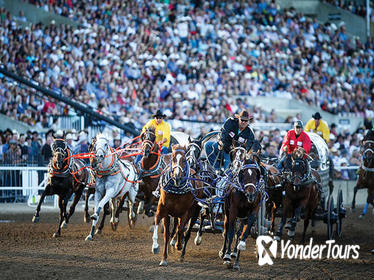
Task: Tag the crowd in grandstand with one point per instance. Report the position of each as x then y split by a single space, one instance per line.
130 57
356 7
31 148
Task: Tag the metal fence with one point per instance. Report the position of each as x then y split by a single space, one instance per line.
23 184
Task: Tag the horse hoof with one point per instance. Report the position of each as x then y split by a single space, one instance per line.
220 254
64 225
163 263
173 242
198 240
181 259
132 224
241 246
94 217
361 216
151 228
277 238
291 233
114 226
234 255
98 231
227 257
156 250
228 264
89 238
35 219
236 267
55 235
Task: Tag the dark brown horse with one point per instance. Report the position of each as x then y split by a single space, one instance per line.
152 164
243 202
177 200
301 193
366 176
67 175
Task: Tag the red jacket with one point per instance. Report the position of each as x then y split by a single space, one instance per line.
291 141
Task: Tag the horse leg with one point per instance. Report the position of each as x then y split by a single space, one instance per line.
273 213
35 219
291 231
166 240
225 237
155 246
188 232
278 235
61 206
238 234
99 205
173 234
306 224
251 218
77 197
102 222
230 237
131 200
364 210
199 233
87 196
354 197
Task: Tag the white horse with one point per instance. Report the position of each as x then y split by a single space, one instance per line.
114 178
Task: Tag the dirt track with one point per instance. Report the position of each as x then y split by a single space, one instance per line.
28 251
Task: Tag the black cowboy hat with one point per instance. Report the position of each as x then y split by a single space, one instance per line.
298 123
317 116
159 114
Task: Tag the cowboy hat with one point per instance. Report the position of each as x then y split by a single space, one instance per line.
317 116
159 114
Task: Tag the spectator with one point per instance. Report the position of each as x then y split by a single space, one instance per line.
13 154
46 152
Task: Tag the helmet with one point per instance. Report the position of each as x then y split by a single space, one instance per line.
298 123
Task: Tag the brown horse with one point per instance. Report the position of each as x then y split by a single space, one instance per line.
67 175
302 193
243 202
152 164
366 177
274 190
177 199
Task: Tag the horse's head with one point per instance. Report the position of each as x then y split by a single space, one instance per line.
148 138
238 155
299 170
298 153
368 154
59 152
249 177
178 163
101 148
193 151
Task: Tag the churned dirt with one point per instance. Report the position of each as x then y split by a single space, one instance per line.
28 251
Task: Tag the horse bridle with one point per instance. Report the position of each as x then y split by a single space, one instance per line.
291 178
237 159
147 142
190 155
369 158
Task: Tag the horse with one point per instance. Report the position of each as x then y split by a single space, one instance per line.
66 175
366 176
114 178
301 193
151 166
177 200
243 202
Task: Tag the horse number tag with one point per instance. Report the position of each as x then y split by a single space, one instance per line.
232 134
299 143
241 140
292 142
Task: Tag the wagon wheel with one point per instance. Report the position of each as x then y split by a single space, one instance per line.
330 213
339 208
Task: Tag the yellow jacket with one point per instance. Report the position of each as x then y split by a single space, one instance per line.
162 131
322 130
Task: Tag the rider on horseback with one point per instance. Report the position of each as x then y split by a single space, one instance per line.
294 139
235 128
